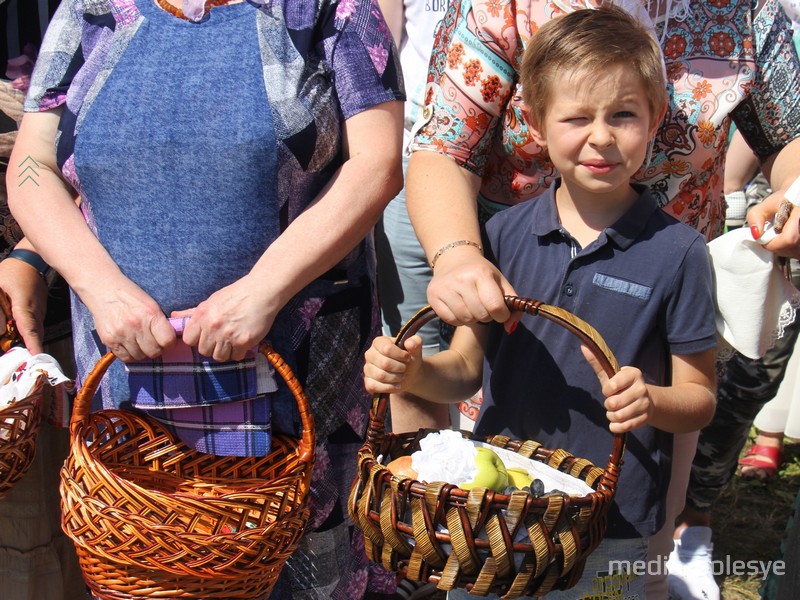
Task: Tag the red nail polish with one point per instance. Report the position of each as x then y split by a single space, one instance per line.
754 232
513 327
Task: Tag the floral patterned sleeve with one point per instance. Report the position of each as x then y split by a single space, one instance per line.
60 57
769 116
365 62
471 80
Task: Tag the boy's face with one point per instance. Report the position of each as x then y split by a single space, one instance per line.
596 128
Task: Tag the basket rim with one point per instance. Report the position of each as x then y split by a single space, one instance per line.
82 428
83 399
419 489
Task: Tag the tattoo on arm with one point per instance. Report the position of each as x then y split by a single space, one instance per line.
28 172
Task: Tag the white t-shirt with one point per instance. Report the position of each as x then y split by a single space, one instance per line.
421 19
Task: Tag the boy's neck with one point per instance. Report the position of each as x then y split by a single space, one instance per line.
585 215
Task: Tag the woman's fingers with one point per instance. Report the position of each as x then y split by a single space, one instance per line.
470 291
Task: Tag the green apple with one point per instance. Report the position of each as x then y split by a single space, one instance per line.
519 478
491 474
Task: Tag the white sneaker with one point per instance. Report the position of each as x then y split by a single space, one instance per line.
689 567
736 209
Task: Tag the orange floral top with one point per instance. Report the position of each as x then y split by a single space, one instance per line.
725 60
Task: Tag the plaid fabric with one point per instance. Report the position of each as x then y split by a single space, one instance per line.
181 377
215 407
230 429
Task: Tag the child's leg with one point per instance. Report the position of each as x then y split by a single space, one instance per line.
615 570
661 544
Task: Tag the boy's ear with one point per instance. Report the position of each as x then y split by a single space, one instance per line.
537 133
658 120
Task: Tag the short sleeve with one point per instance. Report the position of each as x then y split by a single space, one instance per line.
60 58
769 117
471 79
359 47
690 323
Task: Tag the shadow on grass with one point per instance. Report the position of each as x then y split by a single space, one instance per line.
750 520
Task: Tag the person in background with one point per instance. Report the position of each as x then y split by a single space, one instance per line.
403 269
246 210
599 247
475 154
36 559
746 385
744 185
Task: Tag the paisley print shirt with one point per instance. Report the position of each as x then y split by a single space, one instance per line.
725 59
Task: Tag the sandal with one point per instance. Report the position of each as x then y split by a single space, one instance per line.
764 462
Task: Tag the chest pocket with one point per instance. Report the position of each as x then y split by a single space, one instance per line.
622 286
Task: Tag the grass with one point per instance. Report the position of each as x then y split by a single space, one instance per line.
749 522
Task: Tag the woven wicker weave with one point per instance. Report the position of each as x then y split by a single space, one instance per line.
152 518
19 426
483 541
19 422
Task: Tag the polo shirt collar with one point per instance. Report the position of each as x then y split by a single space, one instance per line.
623 232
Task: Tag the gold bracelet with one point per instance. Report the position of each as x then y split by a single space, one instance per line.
452 245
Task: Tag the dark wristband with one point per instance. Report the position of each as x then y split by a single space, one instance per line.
33 259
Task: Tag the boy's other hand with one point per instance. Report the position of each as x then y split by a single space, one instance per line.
390 369
628 404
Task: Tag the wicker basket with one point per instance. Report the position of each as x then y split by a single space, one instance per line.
19 422
152 518
486 542
19 427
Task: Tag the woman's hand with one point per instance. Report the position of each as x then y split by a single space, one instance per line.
129 322
628 403
231 321
466 288
389 369
27 295
788 242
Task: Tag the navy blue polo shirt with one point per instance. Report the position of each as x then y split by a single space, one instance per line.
645 284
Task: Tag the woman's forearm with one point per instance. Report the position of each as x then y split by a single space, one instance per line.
126 318
44 206
441 198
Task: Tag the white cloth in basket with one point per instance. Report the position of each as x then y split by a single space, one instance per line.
19 371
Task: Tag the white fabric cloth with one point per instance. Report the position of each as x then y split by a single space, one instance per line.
754 299
19 371
782 413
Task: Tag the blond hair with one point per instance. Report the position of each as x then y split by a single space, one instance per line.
590 41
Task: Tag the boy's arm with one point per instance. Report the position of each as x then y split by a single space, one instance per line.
686 405
689 403
446 377
456 373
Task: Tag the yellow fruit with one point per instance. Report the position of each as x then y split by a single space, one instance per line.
519 478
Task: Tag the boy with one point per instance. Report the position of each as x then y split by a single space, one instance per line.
599 247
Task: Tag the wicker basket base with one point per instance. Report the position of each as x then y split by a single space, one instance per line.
129 582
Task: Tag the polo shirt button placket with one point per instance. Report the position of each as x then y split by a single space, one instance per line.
569 289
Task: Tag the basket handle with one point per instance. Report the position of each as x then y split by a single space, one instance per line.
11 335
587 334
83 400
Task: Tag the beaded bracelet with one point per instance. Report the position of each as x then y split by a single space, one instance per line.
452 245
33 259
